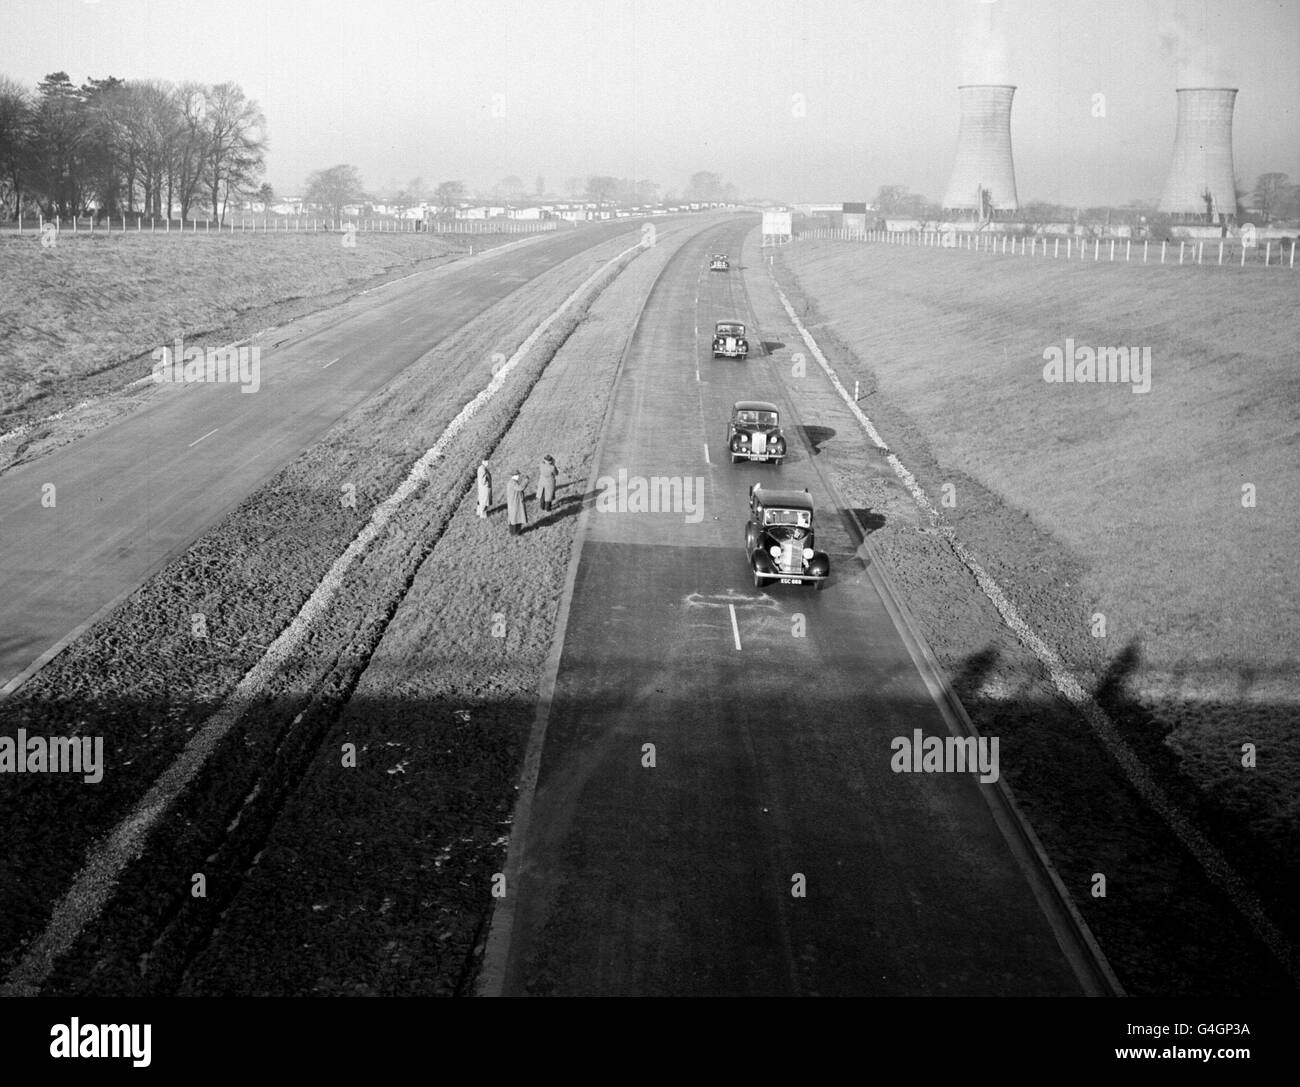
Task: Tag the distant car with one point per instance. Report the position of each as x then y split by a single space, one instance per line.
729 340
754 432
779 539
719 263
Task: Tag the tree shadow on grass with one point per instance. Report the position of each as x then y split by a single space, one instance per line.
869 519
1081 800
816 435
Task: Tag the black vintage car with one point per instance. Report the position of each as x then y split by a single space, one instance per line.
729 340
754 432
719 262
779 539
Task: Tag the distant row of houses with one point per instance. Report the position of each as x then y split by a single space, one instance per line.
577 211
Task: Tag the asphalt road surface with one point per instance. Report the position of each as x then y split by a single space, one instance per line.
770 713
130 496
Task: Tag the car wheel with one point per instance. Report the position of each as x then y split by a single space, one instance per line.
821 584
758 580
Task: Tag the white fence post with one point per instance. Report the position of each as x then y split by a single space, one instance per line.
1243 249
1180 251
1268 250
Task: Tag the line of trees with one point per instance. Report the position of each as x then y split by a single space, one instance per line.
113 147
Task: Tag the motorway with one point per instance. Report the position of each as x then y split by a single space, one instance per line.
770 713
132 495
769 849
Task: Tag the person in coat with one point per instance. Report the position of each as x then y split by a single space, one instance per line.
546 477
484 489
516 511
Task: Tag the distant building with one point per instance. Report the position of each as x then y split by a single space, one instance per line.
854 217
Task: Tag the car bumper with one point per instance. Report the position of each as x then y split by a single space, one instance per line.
745 454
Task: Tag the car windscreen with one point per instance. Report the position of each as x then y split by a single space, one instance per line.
731 330
799 518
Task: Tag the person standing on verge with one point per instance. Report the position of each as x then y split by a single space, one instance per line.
484 488
516 511
546 477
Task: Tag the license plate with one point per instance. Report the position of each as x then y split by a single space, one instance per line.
790 581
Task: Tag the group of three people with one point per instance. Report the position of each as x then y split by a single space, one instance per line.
516 510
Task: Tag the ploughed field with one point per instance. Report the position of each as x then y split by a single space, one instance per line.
1147 536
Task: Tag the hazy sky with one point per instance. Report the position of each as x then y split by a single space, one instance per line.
658 90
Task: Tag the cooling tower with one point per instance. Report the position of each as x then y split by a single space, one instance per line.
1201 180
984 163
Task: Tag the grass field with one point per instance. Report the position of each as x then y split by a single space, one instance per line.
92 302
1139 495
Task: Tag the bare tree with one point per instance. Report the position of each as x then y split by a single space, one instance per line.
602 188
236 144
1269 191
190 144
15 137
708 187
333 188
449 193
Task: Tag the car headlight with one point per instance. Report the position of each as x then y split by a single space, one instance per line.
808 553
775 551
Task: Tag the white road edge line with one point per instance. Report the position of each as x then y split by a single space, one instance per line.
706 455
735 630
1210 858
94 884
330 363
207 435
